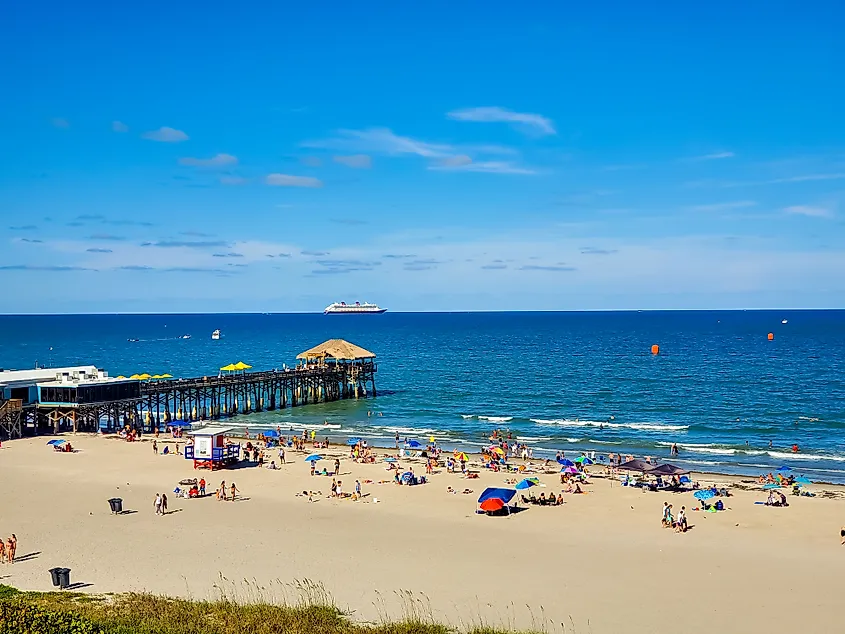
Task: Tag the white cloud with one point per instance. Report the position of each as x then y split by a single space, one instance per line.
810 211
287 180
810 177
490 167
218 160
165 135
459 160
736 204
382 141
356 161
532 122
713 157
119 126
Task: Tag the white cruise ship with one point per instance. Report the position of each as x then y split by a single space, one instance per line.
342 308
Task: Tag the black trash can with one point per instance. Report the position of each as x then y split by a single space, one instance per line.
64 577
116 505
54 573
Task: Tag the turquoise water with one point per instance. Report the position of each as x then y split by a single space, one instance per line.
560 381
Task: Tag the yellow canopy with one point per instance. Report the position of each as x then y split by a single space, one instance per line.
144 376
135 376
166 376
240 365
229 368
155 376
120 377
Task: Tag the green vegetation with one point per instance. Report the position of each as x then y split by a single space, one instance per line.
314 613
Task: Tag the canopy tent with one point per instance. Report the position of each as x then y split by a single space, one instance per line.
337 349
228 368
179 423
635 465
240 365
668 470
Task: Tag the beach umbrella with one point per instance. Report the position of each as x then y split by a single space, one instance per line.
493 504
565 462
583 460
271 433
460 455
155 376
313 458
571 470
390 459
505 495
55 442
166 376
773 485
526 484
803 480
414 444
353 441
499 450
704 494
179 423
135 376
120 377
407 477
144 376
785 468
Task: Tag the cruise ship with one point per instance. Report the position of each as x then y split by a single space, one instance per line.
342 308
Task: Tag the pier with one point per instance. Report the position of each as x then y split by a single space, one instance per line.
87 399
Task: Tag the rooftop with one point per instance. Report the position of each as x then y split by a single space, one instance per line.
57 377
338 349
211 430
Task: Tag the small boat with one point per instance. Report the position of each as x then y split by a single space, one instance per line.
215 335
783 321
185 337
132 340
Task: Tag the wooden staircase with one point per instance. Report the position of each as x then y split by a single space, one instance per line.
11 411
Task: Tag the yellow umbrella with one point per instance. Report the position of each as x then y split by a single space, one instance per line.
135 376
166 376
460 455
240 365
144 376
120 377
229 368
499 451
155 376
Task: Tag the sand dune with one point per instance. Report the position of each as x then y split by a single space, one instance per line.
602 560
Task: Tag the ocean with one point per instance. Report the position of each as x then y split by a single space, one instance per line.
733 400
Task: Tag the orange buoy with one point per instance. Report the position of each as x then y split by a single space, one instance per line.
771 336
655 349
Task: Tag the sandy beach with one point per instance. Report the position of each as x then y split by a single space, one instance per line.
600 563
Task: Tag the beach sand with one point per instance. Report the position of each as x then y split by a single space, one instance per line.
601 563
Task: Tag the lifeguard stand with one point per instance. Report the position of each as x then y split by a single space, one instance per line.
210 450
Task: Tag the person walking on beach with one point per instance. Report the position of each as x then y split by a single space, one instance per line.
397 440
223 490
358 495
234 490
164 504
202 487
281 455
2 551
155 447
339 489
334 487
157 504
11 548
337 466
681 526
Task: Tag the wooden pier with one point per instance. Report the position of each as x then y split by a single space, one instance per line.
332 371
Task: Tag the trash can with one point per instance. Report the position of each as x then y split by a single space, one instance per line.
64 577
54 573
116 505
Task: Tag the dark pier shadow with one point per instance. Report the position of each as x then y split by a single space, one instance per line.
79 585
127 512
27 557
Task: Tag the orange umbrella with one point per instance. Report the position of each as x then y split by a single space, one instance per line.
493 504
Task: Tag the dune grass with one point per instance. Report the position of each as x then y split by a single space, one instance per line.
313 613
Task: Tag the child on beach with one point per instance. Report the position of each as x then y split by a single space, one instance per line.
234 490
202 487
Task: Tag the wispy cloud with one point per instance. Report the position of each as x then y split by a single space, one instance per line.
228 255
452 162
233 180
195 234
490 167
355 161
32 240
810 177
60 122
96 250
187 244
711 157
623 167
165 135
596 251
134 267
119 126
288 180
526 121
32 267
423 264
540 267
218 160
810 211
398 256
494 267
352 222
106 237
311 161
314 253
382 141
726 206
23 228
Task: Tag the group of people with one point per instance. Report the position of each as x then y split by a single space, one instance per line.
678 523
7 549
543 500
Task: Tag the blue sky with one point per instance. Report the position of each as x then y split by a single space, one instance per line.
447 156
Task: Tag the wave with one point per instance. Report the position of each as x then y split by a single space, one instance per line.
533 438
409 430
604 442
567 422
467 416
496 419
781 455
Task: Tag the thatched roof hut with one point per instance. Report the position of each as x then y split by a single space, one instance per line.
338 350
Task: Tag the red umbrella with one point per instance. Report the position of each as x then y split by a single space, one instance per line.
493 504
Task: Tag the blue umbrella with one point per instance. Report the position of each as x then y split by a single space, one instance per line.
525 484
785 468
803 480
565 462
773 485
704 494
272 433
583 460
407 477
55 442
313 458
353 441
179 423
414 444
505 495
